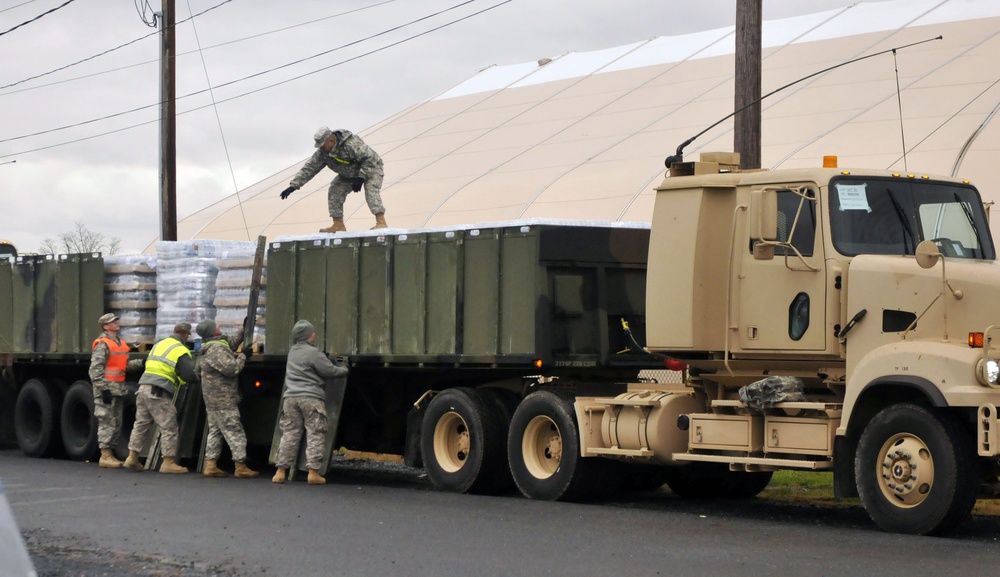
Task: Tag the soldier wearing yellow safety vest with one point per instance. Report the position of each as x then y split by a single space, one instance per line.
356 165
168 365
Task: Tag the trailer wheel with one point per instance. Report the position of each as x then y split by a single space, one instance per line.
544 448
462 441
915 471
36 421
715 481
77 422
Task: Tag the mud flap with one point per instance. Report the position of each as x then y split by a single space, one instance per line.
191 422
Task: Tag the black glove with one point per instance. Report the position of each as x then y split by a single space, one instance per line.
356 184
287 191
243 353
106 397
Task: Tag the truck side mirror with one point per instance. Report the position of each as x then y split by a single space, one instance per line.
763 223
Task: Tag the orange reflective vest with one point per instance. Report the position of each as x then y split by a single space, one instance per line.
117 360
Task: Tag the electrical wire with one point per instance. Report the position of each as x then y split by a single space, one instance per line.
142 7
189 52
218 120
47 12
129 43
91 137
17 5
198 92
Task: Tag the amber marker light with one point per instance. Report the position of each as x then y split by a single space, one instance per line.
829 162
976 340
538 363
256 384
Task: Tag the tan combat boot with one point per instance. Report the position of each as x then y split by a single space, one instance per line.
279 476
315 478
212 469
337 226
132 462
108 460
380 221
244 472
171 466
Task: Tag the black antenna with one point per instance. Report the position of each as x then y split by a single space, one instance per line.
899 99
678 156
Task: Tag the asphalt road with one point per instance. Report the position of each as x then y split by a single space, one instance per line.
387 521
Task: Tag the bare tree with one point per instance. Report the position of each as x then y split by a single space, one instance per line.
81 240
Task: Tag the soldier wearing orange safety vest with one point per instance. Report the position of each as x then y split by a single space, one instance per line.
108 365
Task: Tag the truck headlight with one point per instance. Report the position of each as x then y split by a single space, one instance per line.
988 371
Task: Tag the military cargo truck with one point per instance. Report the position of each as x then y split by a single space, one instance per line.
823 319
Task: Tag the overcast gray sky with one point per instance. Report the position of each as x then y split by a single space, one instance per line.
255 78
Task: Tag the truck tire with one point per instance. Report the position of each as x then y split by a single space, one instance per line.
462 441
915 470
715 481
544 449
36 418
128 421
77 422
506 403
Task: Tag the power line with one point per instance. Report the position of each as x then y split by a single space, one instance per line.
299 61
47 12
18 5
189 52
85 138
129 43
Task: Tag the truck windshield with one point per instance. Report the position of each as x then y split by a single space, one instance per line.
870 215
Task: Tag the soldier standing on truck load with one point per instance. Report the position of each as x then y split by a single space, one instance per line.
108 364
355 164
218 370
305 403
168 365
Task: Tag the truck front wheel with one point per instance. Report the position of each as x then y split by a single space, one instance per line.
462 442
915 471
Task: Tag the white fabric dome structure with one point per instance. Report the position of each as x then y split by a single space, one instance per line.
583 136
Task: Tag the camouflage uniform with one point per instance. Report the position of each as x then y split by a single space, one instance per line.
304 405
296 413
154 402
218 368
350 159
109 415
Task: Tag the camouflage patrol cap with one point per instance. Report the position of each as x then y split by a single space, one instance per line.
321 135
182 327
107 318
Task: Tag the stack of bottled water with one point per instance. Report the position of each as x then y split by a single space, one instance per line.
130 293
186 280
232 296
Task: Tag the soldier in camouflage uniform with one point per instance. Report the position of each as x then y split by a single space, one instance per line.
304 403
356 165
218 369
169 365
108 364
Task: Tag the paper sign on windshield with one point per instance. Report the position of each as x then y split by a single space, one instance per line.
853 196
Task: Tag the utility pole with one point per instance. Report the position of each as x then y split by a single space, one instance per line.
746 138
168 125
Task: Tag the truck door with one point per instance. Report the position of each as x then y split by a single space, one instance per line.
781 302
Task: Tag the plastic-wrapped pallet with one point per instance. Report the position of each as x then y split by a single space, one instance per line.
186 280
232 296
130 293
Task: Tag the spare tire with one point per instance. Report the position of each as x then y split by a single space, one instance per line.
77 422
36 418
